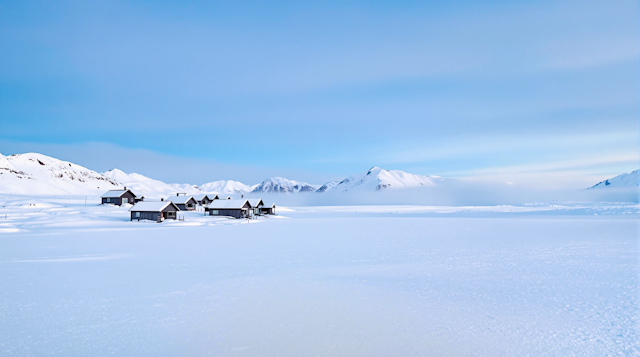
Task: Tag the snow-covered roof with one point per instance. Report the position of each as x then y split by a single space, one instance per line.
201 197
255 202
151 206
179 199
113 193
226 204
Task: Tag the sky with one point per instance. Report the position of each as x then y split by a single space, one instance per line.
538 93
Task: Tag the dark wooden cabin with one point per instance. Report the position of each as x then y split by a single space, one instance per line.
230 208
256 205
154 211
205 199
118 197
184 203
265 209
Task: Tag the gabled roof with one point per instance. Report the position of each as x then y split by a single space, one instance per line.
179 199
202 197
227 204
255 202
152 206
115 193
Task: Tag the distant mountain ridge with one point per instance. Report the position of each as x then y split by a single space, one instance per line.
148 187
631 179
226 187
376 179
40 174
279 184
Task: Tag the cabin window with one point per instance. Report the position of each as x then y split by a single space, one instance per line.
214 211
108 200
171 214
137 214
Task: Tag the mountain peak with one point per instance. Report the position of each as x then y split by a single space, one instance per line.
378 179
631 179
280 184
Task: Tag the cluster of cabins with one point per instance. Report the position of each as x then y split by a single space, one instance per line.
168 208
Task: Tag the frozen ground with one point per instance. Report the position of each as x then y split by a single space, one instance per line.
534 280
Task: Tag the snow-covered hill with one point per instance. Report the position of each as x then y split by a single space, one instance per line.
226 186
37 174
148 187
379 179
625 180
279 184
328 186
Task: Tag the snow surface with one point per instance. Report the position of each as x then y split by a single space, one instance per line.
624 180
283 185
38 174
559 279
379 179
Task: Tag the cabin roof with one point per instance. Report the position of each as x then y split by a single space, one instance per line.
115 193
179 199
202 197
254 202
151 206
227 204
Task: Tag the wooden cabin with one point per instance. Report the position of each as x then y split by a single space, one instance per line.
204 200
118 197
154 211
230 208
256 205
266 209
184 203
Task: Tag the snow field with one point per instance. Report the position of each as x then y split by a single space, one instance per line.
329 281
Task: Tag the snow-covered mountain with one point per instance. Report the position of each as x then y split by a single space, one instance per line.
37 174
379 179
148 187
624 180
226 186
328 186
279 184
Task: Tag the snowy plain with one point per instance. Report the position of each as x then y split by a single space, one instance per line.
545 279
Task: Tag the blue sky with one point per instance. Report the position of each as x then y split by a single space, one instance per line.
528 92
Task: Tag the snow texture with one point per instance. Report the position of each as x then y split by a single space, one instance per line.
80 279
621 181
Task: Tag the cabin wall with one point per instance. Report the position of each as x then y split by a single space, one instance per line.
128 197
153 216
236 213
168 209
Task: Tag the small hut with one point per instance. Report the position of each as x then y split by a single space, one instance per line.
268 209
204 200
118 197
184 203
229 208
256 205
155 211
